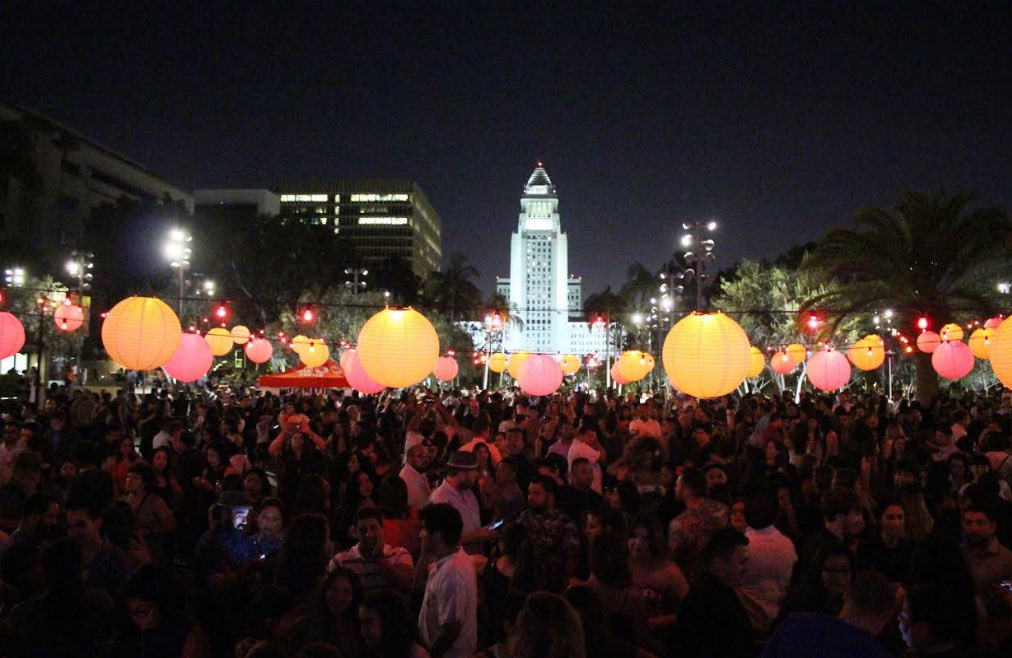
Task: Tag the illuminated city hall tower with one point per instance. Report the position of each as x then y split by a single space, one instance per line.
539 287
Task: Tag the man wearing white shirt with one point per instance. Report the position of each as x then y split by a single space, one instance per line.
413 474
587 446
457 491
771 561
645 424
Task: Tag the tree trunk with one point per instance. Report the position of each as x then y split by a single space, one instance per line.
927 379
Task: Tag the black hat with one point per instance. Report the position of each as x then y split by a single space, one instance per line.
462 459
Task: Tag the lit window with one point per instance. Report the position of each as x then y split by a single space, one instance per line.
382 221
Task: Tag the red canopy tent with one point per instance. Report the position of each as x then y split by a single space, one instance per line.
329 375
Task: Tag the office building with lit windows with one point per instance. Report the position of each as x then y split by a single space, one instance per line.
379 219
544 295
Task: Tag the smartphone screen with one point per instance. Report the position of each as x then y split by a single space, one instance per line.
240 517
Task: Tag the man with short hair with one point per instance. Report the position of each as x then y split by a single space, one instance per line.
771 561
990 563
448 619
103 564
579 496
689 532
413 474
867 608
840 508
524 467
549 557
377 564
645 424
588 446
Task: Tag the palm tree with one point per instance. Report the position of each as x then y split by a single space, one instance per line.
453 289
930 255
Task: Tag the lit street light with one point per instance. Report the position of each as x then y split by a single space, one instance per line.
15 277
178 252
355 284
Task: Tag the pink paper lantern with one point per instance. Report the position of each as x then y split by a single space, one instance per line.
828 370
617 376
345 358
259 350
12 335
952 359
782 363
539 374
69 317
358 379
993 323
446 368
928 341
192 360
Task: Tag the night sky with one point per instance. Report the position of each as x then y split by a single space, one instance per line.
776 119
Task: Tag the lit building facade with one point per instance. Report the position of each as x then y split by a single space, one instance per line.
380 219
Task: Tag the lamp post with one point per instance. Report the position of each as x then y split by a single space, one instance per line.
355 273
15 277
695 239
178 252
79 266
605 321
493 324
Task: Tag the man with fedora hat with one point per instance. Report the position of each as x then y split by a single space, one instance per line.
457 490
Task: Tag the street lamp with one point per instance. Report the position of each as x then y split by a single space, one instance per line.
178 252
696 239
493 325
15 277
355 284
79 266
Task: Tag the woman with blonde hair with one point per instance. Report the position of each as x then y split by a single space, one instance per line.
547 627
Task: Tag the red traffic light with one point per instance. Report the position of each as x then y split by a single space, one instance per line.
922 324
307 315
221 312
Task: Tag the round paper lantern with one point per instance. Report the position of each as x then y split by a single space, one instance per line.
706 355
69 317
570 364
141 333
398 347
345 359
192 360
797 352
513 363
635 365
951 331
446 368
1000 353
828 370
540 374
240 334
315 354
497 362
756 362
299 343
928 341
980 343
867 353
616 375
220 341
259 350
357 377
12 335
782 363
993 323
952 360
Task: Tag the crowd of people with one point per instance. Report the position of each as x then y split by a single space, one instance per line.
486 523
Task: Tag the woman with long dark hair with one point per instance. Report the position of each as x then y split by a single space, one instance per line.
334 616
387 627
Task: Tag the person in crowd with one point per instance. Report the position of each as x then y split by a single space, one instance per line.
689 532
158 627
887 551
457 491
154 522
661 581
989 561
413 474
103 564
547 627
269 536
927 625
334 616
548 558
377 564
772 556
386 627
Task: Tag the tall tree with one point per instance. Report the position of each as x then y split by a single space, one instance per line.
453 291
931 254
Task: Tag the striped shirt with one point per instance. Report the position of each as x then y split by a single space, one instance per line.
369 570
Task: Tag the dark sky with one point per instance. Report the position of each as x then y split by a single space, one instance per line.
776 119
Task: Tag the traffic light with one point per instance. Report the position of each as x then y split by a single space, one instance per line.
922 323
307 315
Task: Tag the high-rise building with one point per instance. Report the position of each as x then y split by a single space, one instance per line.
546 298
234 206
378 219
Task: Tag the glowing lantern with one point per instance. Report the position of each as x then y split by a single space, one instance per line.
446 368
782 363
616 375
259 350
141 333
497 362
69 317
192 360
980 343
706 355
928 341
867 353
828 370
240 334
300 343
540 374
12 335
635 365
346 359
570 364
951 331
797 352
952 360
513 363
357 377
756 362
993 323
315 354
398 347
220 341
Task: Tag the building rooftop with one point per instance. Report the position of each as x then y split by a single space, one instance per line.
539 182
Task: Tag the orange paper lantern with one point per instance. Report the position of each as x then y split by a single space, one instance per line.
497 362
828 370
928 341
192 360
259 350
240 334
446 368
706 355
69 317
952 360
513 363
867 353
570 364
315 354
782 363
141 333
635 365
219 340
616 375
12 335
980 343
951 331
797 352
398 347
756 362
1001 353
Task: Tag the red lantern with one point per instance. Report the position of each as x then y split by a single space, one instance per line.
192 360
828 370
446 368
259 350
782 363
539 374
12 335
928 341
69 317
357 377
952 359
993 323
